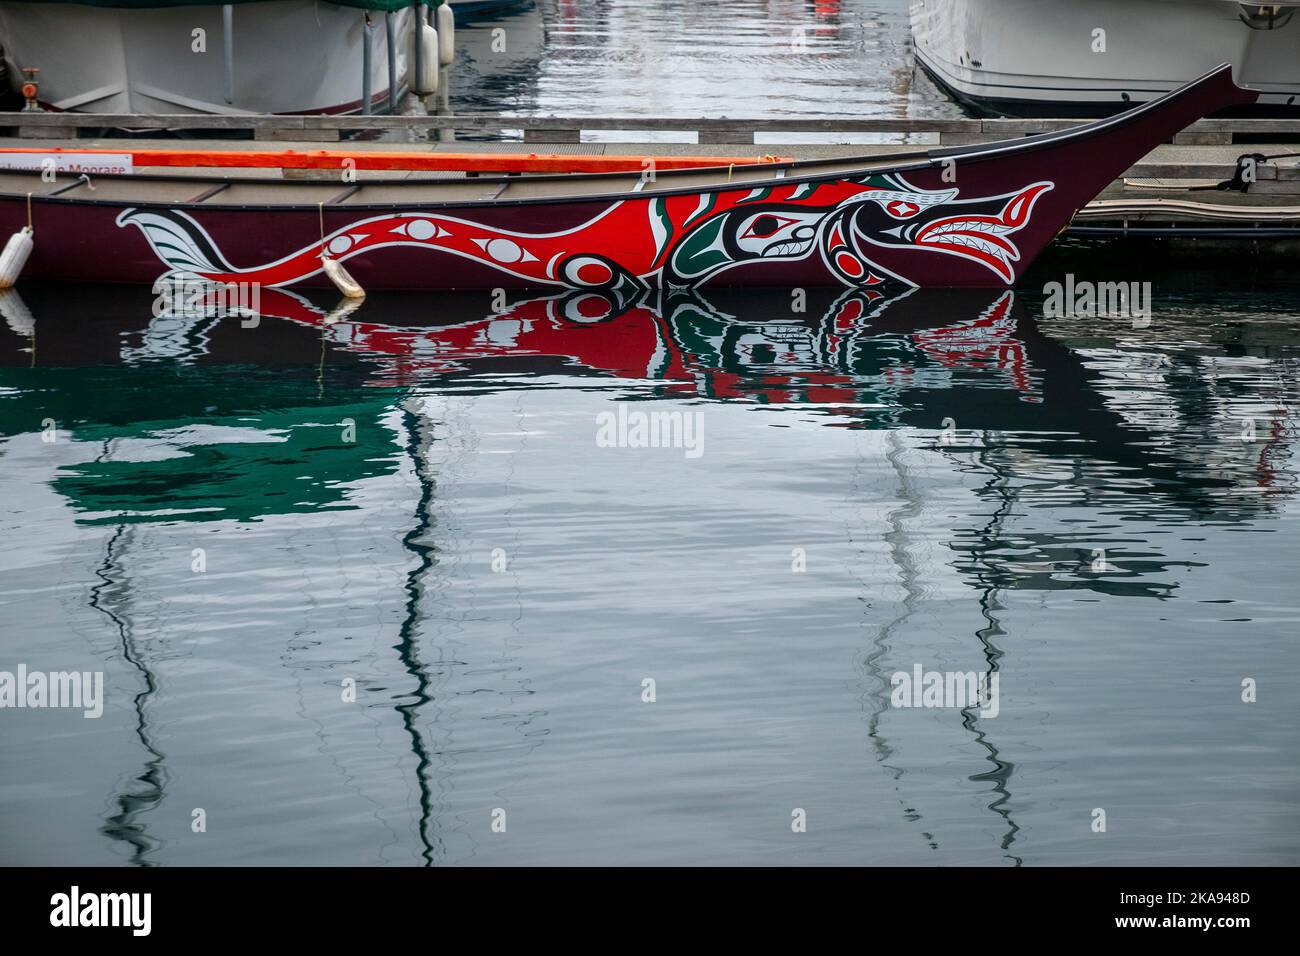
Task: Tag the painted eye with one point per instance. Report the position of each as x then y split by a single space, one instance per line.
765 227
901 208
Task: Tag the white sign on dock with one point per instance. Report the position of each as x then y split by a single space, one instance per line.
74 163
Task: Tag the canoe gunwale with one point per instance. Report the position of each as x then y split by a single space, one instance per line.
428 204
887 163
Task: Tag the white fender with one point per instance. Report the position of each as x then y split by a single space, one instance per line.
446 23
14 257
427 81
342 279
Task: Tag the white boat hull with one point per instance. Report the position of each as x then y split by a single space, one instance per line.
1041 56
290 56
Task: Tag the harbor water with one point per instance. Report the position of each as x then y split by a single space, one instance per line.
471 579
739 58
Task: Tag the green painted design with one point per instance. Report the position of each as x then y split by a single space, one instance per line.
661 226
701 250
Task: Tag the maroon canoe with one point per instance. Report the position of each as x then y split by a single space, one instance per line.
960 216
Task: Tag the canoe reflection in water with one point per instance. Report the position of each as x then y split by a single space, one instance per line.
963 382
818 356
956 363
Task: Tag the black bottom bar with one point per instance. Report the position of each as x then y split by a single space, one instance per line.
335 905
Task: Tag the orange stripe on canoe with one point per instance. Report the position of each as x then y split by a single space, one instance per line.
400 160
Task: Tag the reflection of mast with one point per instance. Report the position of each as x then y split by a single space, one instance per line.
1000 775
895 537
123 824
436 679
909 578
416 541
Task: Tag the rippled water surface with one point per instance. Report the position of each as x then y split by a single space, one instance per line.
740 58
364 584
940 465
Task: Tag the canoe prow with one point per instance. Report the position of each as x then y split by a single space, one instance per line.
1073 166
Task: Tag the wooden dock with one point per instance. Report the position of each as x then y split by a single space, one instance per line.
558 129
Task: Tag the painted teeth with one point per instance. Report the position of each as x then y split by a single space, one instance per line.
971 242
789 248
994 229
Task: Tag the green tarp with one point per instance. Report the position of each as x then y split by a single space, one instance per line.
155 4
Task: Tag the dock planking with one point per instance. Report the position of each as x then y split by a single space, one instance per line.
561 129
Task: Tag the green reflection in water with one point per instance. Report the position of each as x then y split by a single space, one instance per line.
234 442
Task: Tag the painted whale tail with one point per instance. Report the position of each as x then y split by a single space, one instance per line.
177 240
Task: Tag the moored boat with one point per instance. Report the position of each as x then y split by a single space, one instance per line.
959 216
1097 57
176 56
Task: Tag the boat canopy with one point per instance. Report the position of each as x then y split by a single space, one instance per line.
387 5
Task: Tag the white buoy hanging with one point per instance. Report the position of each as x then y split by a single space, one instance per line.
16 251
446 23
341 278
427 81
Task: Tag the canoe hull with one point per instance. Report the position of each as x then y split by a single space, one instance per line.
727 238
967 216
